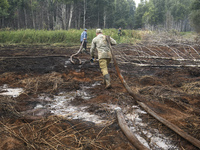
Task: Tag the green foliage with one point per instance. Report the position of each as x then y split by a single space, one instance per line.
179 11
55 14
121 23
156 12
159 12
4 4
195 15
140 11
149 16
121 13
195 5
69 37
3 8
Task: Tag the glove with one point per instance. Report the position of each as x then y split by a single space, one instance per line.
92 60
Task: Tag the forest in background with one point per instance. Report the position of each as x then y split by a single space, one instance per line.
76 14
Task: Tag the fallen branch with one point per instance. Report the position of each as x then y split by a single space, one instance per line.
165 58
198 54
71 57
150 65
30 57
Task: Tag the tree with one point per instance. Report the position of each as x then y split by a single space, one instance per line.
131 18
3 10
150 15
140 11
177 15
159 11
66 14
163 14
195 15
121 13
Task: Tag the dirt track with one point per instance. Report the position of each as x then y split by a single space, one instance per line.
170 87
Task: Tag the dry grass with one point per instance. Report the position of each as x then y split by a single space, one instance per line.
7 106
50 82
192 88
53 133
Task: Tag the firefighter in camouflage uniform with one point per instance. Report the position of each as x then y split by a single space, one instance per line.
104 54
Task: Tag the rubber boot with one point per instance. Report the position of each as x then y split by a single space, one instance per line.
104 81
107 79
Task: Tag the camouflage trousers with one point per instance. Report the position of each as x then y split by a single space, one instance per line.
103 64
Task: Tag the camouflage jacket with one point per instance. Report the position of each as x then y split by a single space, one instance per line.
102 46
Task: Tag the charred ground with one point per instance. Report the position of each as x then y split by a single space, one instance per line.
170 87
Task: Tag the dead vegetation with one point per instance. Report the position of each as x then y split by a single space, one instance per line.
163 69
55 133
192 88
51 82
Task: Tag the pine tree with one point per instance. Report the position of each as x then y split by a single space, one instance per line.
195 15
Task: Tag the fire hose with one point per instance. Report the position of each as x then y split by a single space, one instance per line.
140 101
71 57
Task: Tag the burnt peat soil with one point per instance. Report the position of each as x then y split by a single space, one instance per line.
169 85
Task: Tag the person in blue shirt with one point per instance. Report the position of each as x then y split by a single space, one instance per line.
84 37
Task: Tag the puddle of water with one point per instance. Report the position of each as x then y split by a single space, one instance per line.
6 91
38 106
157 140
134 121
60 105
68 62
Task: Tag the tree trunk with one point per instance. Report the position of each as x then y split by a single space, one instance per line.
98 20
76 21
168 21
84 17
98 17
70 16
32 16
53 19
18 21
2 21
48 20
104 18
79 18
42 19
25 18
57 24
64 14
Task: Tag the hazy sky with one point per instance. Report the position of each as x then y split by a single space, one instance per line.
137 2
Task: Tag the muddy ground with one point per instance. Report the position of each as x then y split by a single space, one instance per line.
167 77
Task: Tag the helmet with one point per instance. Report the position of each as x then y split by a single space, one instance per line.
98 30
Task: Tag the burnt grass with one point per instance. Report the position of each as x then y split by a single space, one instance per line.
170 91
